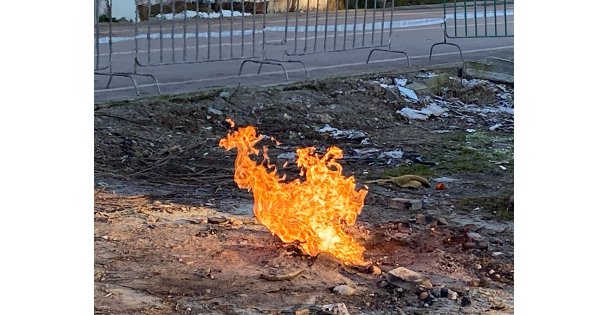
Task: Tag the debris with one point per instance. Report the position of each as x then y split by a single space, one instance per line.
405 204
497 305
343 134
452 295
216 220
405 181
335 309
376 271
424 113
465 302
493 128
407 93
283 277
496 254
444 292
412 113
344 290
502 167
442 221
408 280
440 186
224 94
395 154
470 130
509 110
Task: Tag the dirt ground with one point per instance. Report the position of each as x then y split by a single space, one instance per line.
175 235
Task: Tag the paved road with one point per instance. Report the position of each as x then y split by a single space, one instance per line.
414 31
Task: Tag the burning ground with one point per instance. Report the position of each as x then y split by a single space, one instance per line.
175 234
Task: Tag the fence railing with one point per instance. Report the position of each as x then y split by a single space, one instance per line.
475 19
104 55
321 26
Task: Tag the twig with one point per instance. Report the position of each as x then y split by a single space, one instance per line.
284 277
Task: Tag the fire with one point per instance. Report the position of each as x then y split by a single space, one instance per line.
311 211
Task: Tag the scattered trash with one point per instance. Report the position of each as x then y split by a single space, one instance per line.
408 93
395 154
342 134
470 130
412 113
440 186
495 127
423 114
204 15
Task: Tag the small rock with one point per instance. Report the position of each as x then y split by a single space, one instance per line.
453 295
465 302
383 283
496 254
405 204
216 220
424 295
303 312
215 111
224 94
474 283
436 293
408 279
336 309
344 290
376 271
444 292
442 221
476 237
491 271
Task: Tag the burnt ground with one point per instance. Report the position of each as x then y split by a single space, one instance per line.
160 176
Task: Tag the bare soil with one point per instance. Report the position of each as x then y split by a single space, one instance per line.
174 235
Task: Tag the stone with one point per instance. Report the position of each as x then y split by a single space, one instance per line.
335 309
215 111
465 302
452 295
303 312
493 69
344 290
405 204
376 271
444 292
216 220
424 295
442 221
408 280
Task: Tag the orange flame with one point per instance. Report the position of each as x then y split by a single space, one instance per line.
312 212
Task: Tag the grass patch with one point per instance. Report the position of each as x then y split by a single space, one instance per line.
414 169
477 152
501 205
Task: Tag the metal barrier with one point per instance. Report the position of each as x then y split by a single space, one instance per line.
328 28
103 64
480 19
197 34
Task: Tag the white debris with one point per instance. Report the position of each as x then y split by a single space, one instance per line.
224 94
495 127
412 113
395 154
470 130
423 114
408 93
509 110
336 308
204 15
365 141
342 134
433 110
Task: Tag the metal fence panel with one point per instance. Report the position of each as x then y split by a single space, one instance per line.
475 19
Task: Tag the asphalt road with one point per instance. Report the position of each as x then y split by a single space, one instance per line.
414 31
